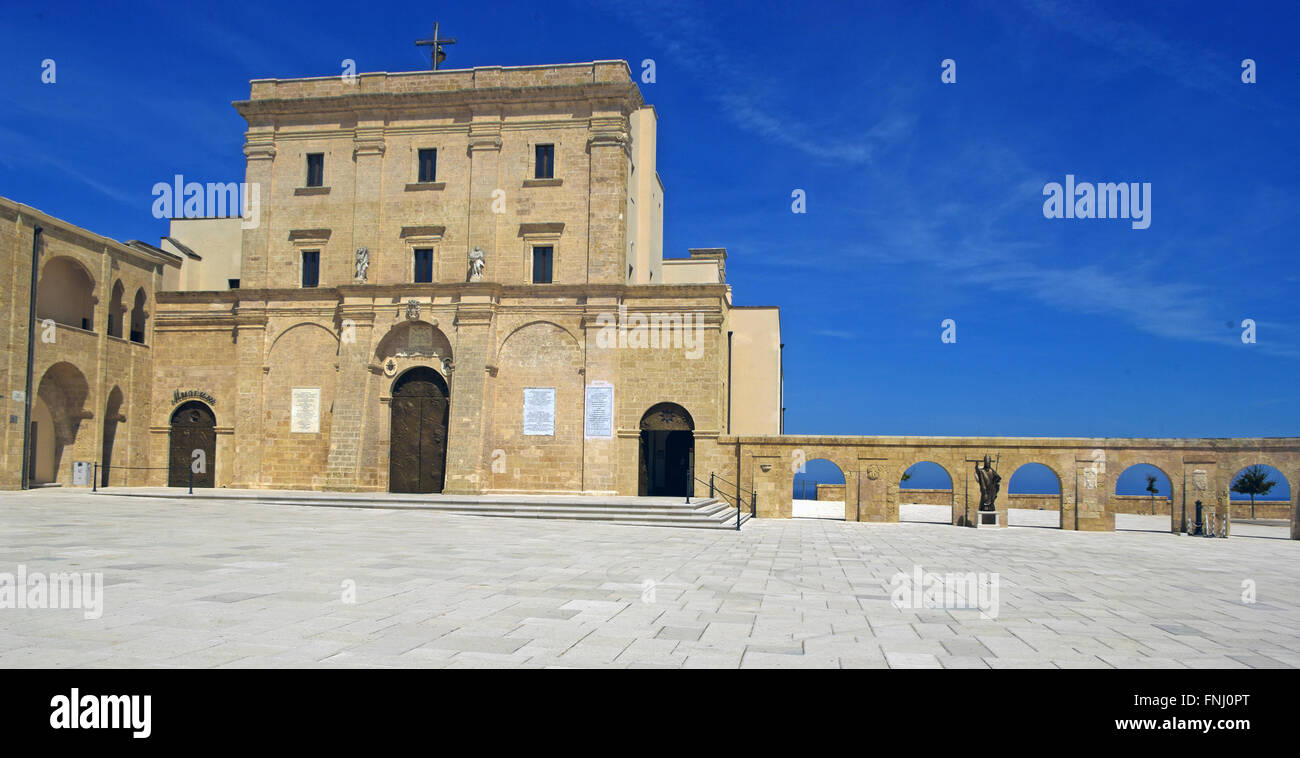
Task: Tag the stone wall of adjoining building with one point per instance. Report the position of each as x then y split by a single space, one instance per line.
93 348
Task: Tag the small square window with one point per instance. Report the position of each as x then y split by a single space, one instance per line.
424 265
232 284
544 168
542 259
315 169
428 165
310 268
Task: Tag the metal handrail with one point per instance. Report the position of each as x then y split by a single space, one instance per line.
724 480
737 501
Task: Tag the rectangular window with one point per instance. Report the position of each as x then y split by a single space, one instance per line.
310 268
232 284
315 169
424 265
542 258
545 164
428 165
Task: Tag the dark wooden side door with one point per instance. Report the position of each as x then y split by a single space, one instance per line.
193 428
418 433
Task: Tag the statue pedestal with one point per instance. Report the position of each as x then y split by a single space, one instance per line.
986 520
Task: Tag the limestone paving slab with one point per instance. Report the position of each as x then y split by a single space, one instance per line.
239 583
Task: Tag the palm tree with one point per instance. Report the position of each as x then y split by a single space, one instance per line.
1253 481
1151 487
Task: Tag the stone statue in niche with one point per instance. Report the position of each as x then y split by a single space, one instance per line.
990 482
362 264
477 259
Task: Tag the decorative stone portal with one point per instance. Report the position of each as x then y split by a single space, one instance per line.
193 428
667 451
417 460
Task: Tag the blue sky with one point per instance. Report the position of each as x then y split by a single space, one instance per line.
924 199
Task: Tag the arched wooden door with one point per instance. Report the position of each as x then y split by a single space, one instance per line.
417 458
194 428
667 451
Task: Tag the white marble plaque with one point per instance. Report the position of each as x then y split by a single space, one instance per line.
539 411
598 422
305 410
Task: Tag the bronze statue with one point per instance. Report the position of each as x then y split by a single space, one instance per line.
990 482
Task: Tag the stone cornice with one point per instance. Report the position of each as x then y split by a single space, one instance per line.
624 95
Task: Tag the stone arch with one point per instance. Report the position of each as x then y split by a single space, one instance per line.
112 417
63 392
536 357
922 495
302 324
825 489
1160 504
666 459
1275 507
413 343
303 357
139 315
572 338
1033 482
116 310
65 293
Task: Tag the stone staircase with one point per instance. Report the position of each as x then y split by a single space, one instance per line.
700 513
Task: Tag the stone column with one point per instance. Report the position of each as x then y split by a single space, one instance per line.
250 357
356 326
484 180
600 459
1091 487
259 150
608 147
1199 477
367 196
466 439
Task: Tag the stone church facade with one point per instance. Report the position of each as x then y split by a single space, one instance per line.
359 350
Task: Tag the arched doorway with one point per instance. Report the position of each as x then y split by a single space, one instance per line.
417 457
1034 496
819 490
194 428
667 451
925 493
112 415
57 417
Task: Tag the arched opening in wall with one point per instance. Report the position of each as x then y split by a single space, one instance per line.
1260 494
56 423
819 491
1033 497
925 494
667 452
1142 499
112 416
417 453
192 446
65 294
138 316
116 310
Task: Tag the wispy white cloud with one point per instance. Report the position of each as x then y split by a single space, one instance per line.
747 98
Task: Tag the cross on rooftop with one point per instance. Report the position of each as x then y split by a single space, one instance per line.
436 55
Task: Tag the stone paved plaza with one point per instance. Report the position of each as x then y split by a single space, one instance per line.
199 583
